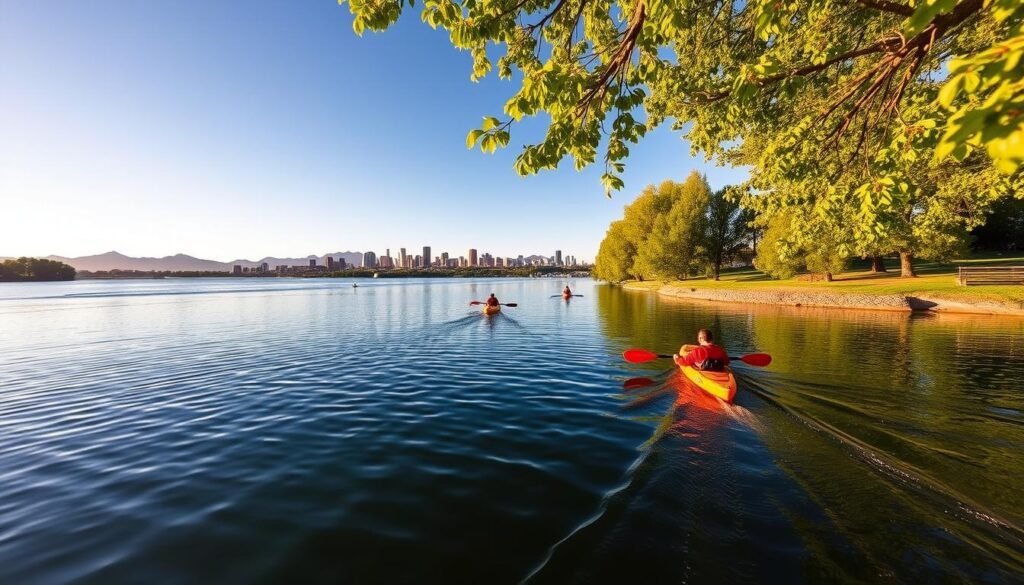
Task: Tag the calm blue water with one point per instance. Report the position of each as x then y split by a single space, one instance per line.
285 430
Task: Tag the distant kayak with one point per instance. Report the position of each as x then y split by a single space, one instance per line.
719 384
566 296
489 310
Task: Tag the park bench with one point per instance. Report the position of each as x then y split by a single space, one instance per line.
968 275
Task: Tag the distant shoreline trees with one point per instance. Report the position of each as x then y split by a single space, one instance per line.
34 270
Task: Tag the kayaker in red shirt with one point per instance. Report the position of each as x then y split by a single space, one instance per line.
706 356
566 292
492 301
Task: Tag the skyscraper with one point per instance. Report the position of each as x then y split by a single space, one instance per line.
472 256
330 263
558 257
403 259
426 256
369 260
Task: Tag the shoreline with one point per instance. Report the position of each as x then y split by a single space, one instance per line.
790 297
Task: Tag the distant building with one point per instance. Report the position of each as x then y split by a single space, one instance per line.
369 260
426 256
472 257
236 269
499 263
264 267
418 261
403 259
312 262
341 264
444 258
330 263
558 257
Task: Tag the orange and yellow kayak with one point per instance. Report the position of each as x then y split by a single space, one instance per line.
489 310
719 384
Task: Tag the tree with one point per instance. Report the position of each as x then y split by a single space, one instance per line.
1003 229
35 269
779 258
614 260
726 230
660 235
861 83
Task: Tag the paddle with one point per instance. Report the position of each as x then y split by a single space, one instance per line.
557 296
502 304
635 383
640 356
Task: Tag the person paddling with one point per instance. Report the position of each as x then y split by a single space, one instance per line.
566 292
492 301
705 356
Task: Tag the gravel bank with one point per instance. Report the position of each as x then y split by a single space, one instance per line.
817 298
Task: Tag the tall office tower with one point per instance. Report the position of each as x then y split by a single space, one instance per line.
369 260
417 261
402 258
499 263
472 257
265 267
341 264
426 256
330 263
558 257
444 258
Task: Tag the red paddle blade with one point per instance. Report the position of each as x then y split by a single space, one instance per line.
636 383
638 356
756 359
476 302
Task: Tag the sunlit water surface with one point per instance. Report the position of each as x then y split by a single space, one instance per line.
285 430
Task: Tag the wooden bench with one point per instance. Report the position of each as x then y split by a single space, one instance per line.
968 275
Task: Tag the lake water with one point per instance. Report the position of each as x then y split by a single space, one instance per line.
303 431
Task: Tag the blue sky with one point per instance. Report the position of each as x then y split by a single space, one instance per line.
244 129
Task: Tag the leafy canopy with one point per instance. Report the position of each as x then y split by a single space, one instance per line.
856 78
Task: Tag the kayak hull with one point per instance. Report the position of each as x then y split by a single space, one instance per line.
488 310
721 385
566 297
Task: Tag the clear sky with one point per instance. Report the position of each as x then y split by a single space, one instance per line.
241 129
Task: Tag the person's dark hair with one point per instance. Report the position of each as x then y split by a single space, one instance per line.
707 335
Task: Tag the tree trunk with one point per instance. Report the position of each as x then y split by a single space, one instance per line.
877 264
718 266
907 264
828 277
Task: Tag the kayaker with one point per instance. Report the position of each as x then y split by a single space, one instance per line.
706 356
566 292
492 301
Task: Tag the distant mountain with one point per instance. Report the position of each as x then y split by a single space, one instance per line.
118 261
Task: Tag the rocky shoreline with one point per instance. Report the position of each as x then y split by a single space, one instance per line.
813 298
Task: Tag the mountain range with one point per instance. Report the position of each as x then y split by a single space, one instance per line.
118 261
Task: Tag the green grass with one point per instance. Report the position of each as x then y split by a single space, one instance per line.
935 280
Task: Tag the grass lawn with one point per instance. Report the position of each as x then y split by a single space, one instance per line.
934 280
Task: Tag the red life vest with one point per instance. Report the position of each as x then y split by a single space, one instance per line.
706 357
